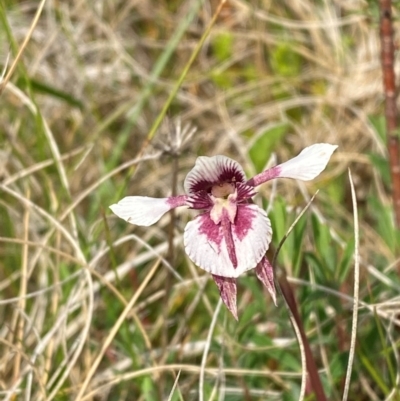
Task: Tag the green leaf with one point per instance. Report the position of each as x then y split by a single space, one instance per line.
346 261
261 150
298 235
379 124
290 362
222 46
373 369
387 349
42 87
279 226
336 189
324 245
149 392
278 219
285 60
222 79
317 267
292 393
384 222
382 165
338 364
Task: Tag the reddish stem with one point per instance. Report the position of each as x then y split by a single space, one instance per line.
389 84
314 380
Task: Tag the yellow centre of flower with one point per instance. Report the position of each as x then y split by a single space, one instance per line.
224 198
223 190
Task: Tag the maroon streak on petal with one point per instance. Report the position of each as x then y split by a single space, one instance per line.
205 242
227 291
244 191
245 216
227 231
211 230
265 274
209 171
200 200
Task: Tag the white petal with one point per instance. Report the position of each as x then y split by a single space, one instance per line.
308 164
212 170
205 243
141 210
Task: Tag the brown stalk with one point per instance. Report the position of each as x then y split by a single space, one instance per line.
314 383
389 85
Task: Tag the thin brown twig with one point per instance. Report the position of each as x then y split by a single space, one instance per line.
170 258
174 184
389 86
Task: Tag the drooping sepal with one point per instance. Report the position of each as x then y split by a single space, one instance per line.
265 274
227 291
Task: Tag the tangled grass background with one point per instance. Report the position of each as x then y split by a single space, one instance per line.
94 309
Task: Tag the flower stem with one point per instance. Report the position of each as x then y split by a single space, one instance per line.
291 304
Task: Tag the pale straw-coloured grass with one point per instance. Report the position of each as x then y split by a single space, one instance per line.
89 81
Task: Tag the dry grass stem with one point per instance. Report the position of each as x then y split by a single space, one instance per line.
114 331
21 49
356 291
86 91
206 349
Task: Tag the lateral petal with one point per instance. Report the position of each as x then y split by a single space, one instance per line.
206 245
145 211
309 163
209 171
227 291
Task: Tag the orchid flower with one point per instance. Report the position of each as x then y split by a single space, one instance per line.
231 234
